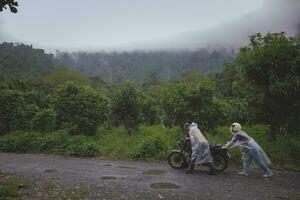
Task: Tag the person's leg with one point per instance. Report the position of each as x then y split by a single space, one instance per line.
257 157
211 168
209 158
192 163
247 160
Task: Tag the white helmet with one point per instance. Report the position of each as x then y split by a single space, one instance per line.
235 127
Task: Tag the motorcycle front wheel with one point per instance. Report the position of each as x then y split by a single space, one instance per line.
176 160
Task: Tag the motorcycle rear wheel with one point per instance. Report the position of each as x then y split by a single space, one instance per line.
177 160
220 162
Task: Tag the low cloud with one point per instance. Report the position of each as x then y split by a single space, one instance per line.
4 37
274 16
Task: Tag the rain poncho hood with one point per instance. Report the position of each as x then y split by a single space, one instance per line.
195 134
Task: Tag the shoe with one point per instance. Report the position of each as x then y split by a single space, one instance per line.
243 173
267 175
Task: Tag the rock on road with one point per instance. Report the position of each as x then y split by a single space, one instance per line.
128 180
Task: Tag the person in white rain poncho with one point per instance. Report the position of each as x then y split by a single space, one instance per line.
200 148
250 150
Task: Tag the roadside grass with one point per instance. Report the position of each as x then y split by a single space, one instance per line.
77 193
10 186
148 143
15 188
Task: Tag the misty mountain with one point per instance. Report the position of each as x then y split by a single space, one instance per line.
117 67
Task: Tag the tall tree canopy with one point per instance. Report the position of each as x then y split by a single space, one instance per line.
271 71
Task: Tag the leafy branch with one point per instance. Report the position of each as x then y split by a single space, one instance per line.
12 4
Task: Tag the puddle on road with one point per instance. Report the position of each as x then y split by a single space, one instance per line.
107 165
154 172
108 177
50 170
163 186
126 167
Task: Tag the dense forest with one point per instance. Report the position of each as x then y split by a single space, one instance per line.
45 107
117 67
23 61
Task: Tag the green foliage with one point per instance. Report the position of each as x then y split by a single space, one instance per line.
150 109
20 142
271 72
44 121
58 143
227 79
151 147
60 76
16 110
191 101
149 142
125 107
10 186
79 107
23 62
82 150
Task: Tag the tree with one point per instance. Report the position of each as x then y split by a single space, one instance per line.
270 67
150 109
44 120
226 80
23 61
16 110
125 107
11 4
188 101
79 108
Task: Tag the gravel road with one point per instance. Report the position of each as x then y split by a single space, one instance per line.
133 180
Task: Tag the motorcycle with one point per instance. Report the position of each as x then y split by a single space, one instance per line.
180 159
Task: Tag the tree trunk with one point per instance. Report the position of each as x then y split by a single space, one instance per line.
274 131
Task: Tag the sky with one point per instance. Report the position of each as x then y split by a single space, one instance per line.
143 24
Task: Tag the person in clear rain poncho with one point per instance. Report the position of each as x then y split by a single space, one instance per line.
200 148
250 151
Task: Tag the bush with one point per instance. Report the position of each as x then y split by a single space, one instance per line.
126 108
155 142
150 147
54 142
59 143
82 150
19 142
187 101
16 110
85 127
44 121
79 107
